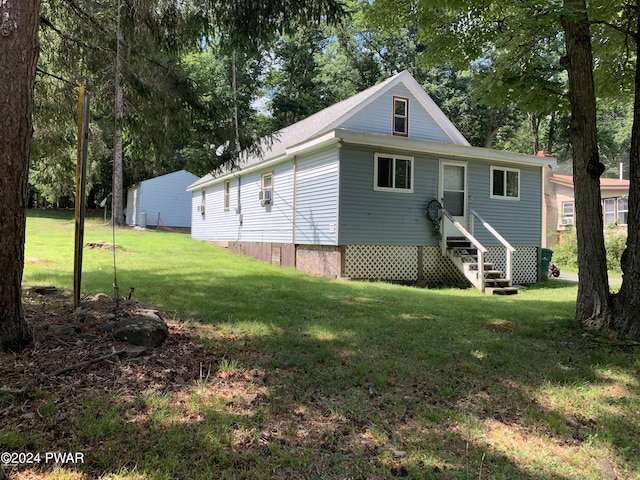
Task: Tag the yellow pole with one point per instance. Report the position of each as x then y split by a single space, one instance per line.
83 134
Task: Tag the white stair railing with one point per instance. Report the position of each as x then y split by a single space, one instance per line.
509 250
449 223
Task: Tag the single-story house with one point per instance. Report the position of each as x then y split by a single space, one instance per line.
347 193
161 201
561 211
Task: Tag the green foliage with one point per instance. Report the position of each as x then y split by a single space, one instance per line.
615 239
566 251
179 108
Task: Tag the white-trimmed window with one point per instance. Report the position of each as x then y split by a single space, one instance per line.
401 116
609 210
615 210
568 213
266 189
203 202
393 173
505 183
623 210
227 195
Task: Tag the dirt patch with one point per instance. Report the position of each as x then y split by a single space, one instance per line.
102 245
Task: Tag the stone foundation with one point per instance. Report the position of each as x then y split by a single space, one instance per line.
323 260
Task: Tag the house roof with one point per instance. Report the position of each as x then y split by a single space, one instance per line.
605 183
331 117
323 128
177 173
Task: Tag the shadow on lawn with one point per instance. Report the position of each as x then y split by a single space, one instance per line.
365 381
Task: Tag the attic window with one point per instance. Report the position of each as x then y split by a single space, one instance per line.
400 116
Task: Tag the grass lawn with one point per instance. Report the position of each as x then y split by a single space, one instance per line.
357 380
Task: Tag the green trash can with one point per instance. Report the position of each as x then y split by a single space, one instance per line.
545 262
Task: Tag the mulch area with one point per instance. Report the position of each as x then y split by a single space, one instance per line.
58 368
168 367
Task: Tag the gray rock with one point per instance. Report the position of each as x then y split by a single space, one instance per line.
108 327
62 330
134 352
99 297
144 328
83 316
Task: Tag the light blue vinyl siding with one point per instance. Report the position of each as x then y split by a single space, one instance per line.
215 224
317 198
369 217
269 223
165 196
377 117
518 221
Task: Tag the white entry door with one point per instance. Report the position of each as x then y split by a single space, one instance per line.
453 189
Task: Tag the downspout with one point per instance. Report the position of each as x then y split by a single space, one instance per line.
293 216
239 206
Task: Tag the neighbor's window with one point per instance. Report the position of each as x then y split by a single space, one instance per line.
567 213
505 183
400 116
227 195
393 173
609 210
623 210
615 210
266 189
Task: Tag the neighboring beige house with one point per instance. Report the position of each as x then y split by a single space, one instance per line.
560 203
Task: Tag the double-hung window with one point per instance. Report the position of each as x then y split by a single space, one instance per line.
505 183
203 202
227 195
609 210
623 210
400 116
266 189
568 213
393 173
615 210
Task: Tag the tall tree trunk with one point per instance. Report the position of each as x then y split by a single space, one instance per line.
593 302
534 120
496 124
626 304
117 188
117 178
551 136
19 21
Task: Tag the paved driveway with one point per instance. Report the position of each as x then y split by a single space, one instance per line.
573 277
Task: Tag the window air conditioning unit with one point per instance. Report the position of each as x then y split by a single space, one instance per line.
265 196
567 221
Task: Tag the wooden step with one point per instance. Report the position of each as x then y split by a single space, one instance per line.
493 274
465 253
496 282
501 291
458 242
488 267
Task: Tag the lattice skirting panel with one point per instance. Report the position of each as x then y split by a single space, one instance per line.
426 264
380 262
525 263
